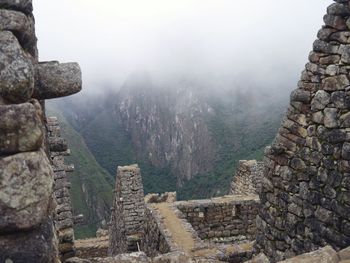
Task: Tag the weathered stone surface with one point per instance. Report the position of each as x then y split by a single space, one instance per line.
307 207
16 70
26 181
330 117
128 215
338 9
20 128
58 144
324 255
339 82
300 95
54 80
34 246
248 177
320 101
21 25
20 5
335 21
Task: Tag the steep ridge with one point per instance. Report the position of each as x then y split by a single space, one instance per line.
184 136
91 190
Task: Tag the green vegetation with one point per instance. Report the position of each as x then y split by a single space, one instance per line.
92 186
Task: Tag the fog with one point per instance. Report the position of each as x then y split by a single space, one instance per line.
263 43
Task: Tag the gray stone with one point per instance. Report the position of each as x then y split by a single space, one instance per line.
345 56
323 255
332 70
34 246
330 117
20 128
54 80
19 24
324 47
300 95
345 120
16 70
340 100
338 9
336 22
20 5
320 100
325 32
339 82
318 117
346 151
26 181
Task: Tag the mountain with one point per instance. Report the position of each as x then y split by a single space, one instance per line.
91 185
185 136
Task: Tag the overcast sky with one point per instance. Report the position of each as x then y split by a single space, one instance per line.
267 39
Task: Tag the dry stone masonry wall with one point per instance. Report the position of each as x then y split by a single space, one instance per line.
27 205
230 218
128 213
63 217
156 239
248 177
306 190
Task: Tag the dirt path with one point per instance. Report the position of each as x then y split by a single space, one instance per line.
179 234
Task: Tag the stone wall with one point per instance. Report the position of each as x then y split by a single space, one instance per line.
63 217
248 177
229 218
306 190
128 213
156 239
27 231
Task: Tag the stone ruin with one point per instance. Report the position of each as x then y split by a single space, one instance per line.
63 217
305 199
248 177
128 212
304 192
28 222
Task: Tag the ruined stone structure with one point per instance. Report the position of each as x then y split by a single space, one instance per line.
63 218
306 190
128 211
27 204
248 177
230 218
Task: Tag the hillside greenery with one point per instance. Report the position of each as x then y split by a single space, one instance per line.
91 185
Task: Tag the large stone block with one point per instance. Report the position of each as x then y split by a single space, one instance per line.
20 5
19 24
20 128
26 181
16 70
54 80
35 246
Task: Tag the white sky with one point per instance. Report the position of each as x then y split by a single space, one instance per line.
112 38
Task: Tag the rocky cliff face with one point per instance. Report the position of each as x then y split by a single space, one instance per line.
167 127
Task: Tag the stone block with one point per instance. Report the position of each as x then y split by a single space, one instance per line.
20 128
35 246
24 6
26 181
19 24
17 72
55 80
